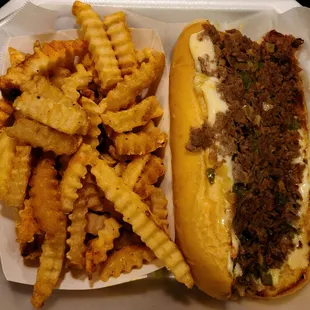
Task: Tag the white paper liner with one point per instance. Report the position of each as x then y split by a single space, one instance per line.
295 21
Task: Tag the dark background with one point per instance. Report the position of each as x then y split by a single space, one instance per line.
303 2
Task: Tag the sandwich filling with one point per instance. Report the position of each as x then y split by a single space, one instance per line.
251 97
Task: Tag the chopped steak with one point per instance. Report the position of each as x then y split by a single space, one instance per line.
263 91
200 138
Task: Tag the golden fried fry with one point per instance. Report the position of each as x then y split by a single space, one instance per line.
41 62
93 111
16 56
45 198
47 104
134 169
108 207
139 143
19 177
152 171
138 115
122 158
39 135
7 153
6 111
120 36
89 65
149 127
127 90
75 82
99 45
143 55
120 168
137 214
51 262
73 175
27 226
93 198
59 76
95 223
88 93
157 203
126 259
97 250
65 51
77 248
108 159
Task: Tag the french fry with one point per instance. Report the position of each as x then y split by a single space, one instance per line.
88 93
75 82
110 160
95 223
120 168
134 169
45 196
77 248
59 75
120 158
93 198
39 135
97 250
26 226
137 213
143 55
89 64
51 263
138 115
157 203
120 36
6 111
139 143
75 172
20 175
41 62
7 154
93 111
47 104
16 57
126 259
132 85
152 171
99 45
72 48
108 207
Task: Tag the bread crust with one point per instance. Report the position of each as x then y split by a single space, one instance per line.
202 232
204 242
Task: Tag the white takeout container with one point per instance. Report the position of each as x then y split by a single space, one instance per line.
155 15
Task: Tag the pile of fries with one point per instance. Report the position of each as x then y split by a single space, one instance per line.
80 158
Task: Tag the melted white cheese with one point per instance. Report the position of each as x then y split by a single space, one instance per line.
203 82
213 99
201 49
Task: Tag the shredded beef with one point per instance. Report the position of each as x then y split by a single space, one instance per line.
200 138
263 91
